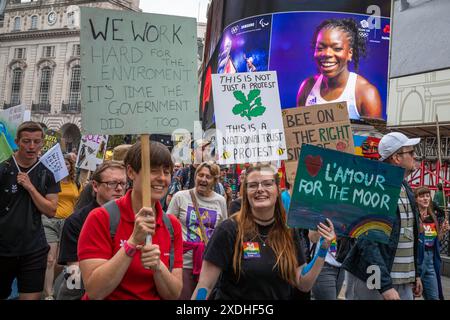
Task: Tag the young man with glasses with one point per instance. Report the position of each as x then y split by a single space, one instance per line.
27 191
397 260
109 181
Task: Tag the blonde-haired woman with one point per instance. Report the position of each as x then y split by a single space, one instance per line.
254 252
70 192
200 210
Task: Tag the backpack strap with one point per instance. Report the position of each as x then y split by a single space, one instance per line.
114 216
169 227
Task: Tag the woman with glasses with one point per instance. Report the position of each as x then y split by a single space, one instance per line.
70 191
200 210
254 255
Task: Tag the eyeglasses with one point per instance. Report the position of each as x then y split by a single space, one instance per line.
114 184
265 184
411 152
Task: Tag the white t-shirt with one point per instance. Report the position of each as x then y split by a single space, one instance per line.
347 95
213 210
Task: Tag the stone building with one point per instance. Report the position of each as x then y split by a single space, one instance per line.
40 60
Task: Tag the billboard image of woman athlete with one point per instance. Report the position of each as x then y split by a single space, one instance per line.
322 52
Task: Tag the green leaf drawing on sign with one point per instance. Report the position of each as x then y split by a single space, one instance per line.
239 95
250 106
239 108
257 111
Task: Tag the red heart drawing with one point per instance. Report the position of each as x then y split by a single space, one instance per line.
313 164
341 146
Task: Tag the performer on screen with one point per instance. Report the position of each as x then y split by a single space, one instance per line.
336 43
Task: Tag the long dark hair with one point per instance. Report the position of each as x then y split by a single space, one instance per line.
350 27
280 236
430 210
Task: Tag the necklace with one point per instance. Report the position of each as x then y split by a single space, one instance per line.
263 220
264 223
262 237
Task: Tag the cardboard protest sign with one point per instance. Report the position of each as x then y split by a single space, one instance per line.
92 151
324 125
248 117
139 72
53 159
10 119
51 138
358 195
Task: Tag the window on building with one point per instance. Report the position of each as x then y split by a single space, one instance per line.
19 53
48 51
16 85
75 86
76 50
16 24
71 18
34 22
44 91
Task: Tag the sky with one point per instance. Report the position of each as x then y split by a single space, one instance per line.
188 8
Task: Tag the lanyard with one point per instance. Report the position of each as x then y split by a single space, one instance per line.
18 168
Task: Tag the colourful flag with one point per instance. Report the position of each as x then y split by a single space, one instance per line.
5 149
53 159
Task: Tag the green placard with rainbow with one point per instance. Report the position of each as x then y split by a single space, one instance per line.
358 195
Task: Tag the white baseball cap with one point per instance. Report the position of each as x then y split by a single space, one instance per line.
393 141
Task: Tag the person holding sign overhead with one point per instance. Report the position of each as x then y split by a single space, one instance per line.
254 255
397 264
115 264
27 191
336 43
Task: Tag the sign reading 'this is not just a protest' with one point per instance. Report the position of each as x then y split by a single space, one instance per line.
248 117
139 72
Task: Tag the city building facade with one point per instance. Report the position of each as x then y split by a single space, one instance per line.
40 61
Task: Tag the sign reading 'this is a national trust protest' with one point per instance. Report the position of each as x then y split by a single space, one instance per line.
139 72
248 117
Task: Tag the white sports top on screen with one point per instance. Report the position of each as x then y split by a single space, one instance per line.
347 95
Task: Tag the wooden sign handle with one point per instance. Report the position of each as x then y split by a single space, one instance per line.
146 183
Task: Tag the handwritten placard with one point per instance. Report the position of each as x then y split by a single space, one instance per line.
324 125
358 195
91 151
248 117
51 138
139 72
53 159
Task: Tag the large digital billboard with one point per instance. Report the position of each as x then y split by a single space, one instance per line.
322 52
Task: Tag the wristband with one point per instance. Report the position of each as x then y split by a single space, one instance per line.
130 250
322 253
201 294
309 266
